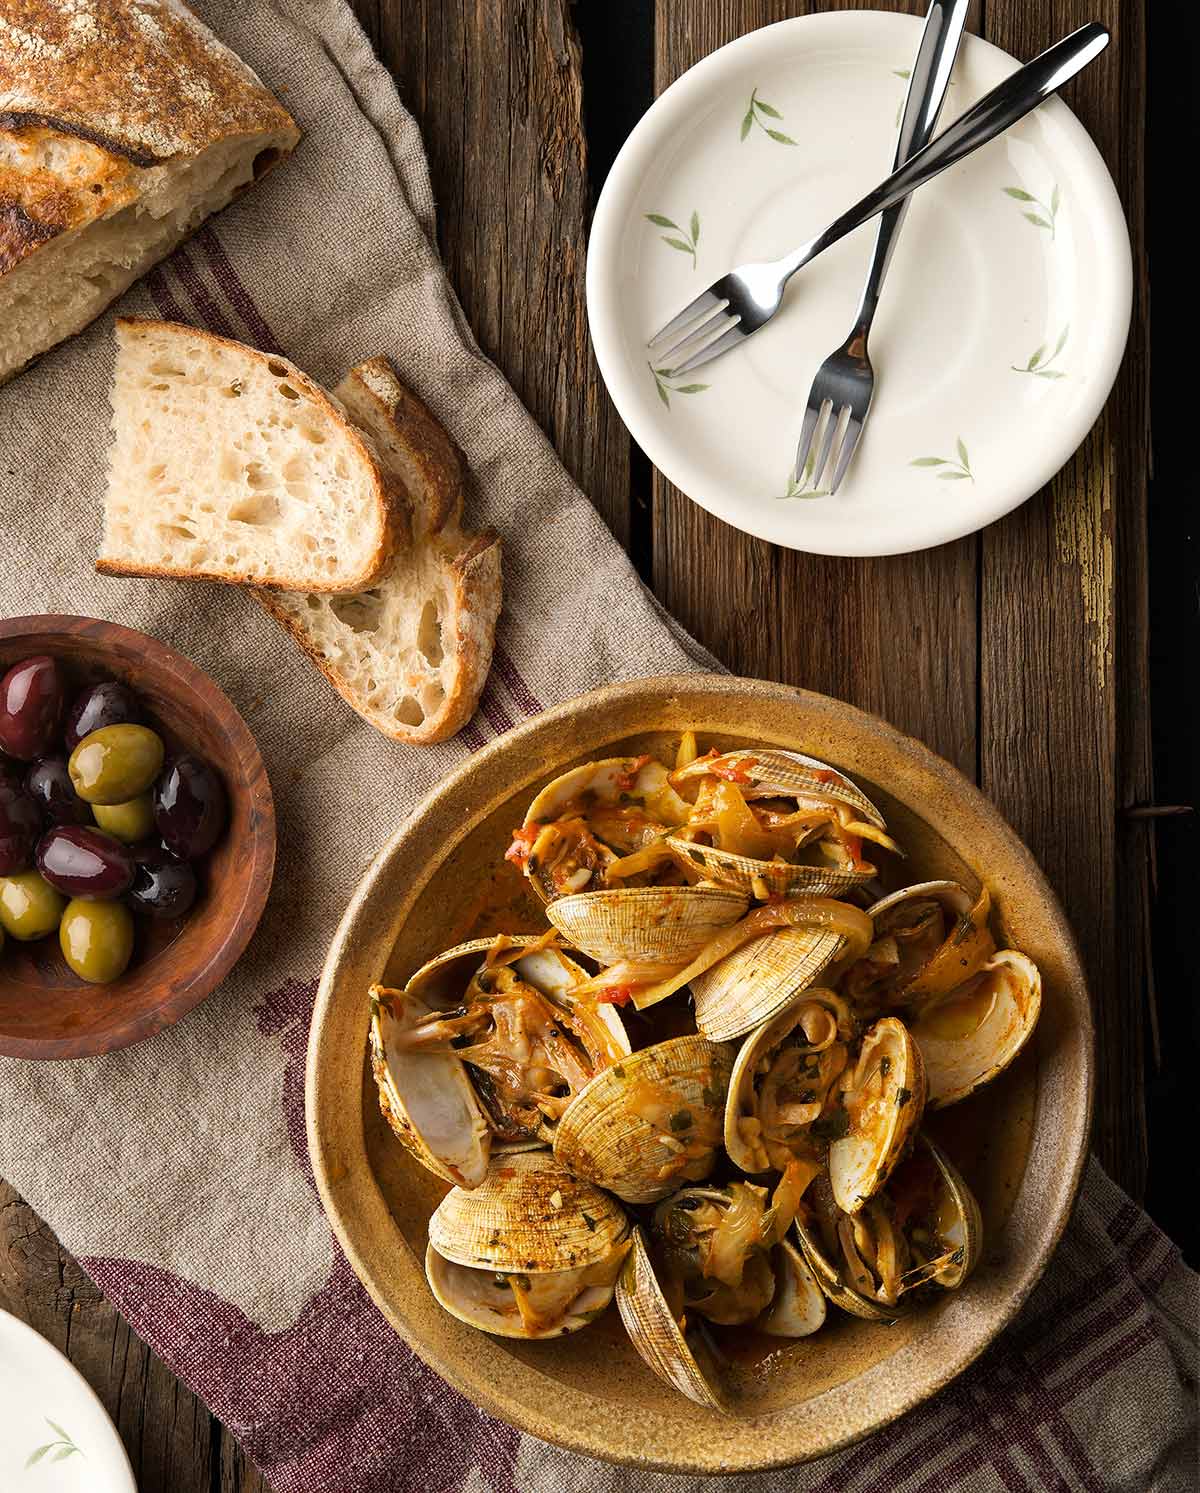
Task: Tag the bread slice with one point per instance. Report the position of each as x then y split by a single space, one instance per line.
124 124
231 465
411 654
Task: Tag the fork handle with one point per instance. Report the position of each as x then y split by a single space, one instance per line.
922 104
991 116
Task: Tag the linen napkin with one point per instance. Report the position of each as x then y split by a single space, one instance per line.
177 1170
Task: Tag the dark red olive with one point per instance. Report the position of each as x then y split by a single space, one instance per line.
189 807
162 886
49 785
105 704
84 862
31 707
20 825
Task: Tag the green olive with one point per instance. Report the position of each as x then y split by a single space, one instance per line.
96 939
130 822
116 763
29 907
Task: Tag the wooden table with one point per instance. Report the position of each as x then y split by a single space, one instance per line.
1021 653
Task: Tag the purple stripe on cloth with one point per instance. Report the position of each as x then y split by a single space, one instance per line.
472 737
494 712
198 293
235 291
163 296
1122 1221
514 683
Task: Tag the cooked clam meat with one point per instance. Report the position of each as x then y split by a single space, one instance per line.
929 938
880 1102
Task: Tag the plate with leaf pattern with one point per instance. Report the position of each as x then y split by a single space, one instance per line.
1002 323
55 1435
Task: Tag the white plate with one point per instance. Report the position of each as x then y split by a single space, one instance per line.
1002 323
55 1436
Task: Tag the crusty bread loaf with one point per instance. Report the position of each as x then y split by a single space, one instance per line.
228 464
124 124
412 654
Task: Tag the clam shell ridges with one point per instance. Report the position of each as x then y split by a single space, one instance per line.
730 869
527 1215
755 982
653 1330
671 924
602 1137
794 773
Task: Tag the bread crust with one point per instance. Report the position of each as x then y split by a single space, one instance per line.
469 562
92 92
390 513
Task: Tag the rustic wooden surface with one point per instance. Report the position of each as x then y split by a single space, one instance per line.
1020 654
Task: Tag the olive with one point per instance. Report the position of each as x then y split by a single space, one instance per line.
96 939
116 763
29 906
31 707
130 822
162 886
49 785
84 862
189 807
20 825
105 704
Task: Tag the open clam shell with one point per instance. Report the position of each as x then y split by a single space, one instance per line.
637 786
883 1098
780 878
651 1122
768 772
940 1217
754 983
680 1354
799 1047
977 1031
928 967
646 925
798 1308
426 1097
532 1252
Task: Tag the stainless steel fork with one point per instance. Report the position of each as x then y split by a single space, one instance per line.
751 293
840 398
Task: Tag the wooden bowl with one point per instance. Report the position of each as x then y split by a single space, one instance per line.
45 1010
1022 1141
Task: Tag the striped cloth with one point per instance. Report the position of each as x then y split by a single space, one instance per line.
177 1170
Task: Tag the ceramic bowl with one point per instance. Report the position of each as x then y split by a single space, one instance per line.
45 1010
1022 1142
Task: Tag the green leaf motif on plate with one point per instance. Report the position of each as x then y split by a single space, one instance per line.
662 382
1047 218
756 111
688 238
1041 366
57 1450
956 471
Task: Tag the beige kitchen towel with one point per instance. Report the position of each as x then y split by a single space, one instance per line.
177 1169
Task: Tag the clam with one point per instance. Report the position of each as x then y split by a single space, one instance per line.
882 1099
781 1080
923 1230
715 1242
798 1307
673 1346
532 1252
776 823
975 1032
527 1046
600 825
755 982
929 938
648 925
650 1122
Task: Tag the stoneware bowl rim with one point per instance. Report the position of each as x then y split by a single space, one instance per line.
358 1212
183 681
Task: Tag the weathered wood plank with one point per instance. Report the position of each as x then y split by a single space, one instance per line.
896 636
496 87
1063 683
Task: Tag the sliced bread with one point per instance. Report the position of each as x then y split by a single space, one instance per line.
412 653
228 464
123 125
